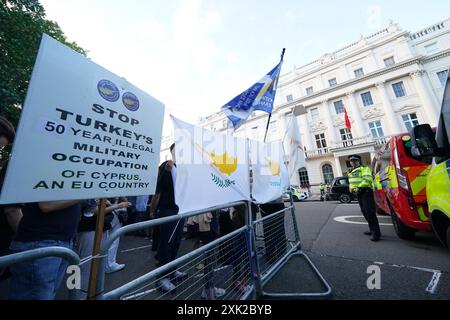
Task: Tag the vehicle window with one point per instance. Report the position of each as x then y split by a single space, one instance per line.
407 145
341 182
385 158
377 167
443 135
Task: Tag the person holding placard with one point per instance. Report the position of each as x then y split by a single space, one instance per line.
169 234
10 215
44 224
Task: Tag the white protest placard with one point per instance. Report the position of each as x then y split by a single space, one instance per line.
84 133
212 168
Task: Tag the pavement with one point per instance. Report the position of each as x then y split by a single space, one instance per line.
416 269
332 236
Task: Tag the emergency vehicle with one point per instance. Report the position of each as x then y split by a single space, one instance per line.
400 186
438 180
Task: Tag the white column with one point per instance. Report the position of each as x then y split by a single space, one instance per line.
329 120
359 129
338 167
428 102
304 127
394 126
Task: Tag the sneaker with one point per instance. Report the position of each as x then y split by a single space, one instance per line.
166 286
115 268
178 275
368 233
218 293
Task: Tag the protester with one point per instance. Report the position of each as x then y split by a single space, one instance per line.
118 208
169 234
208 231
138 208
86 236
10 215
44 224
85 240
231 252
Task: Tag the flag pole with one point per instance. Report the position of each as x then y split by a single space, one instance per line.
92 289
270 115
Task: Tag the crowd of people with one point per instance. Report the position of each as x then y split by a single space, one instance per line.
72 225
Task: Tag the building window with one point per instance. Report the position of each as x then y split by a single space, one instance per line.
376 129
442 75
389 62
410 120
309 91
328 175
304 177
346 137
431 48
399 89
332 82
315 114
321 142
359 72
289 98
367 99
339 106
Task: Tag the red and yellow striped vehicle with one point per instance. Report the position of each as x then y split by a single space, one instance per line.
400 186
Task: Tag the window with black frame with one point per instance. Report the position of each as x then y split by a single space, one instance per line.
328 175
304 177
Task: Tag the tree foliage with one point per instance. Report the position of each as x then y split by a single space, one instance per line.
22 24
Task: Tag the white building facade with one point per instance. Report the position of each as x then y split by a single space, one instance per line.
388 82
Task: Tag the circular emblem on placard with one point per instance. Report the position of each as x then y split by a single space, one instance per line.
130 101
108 90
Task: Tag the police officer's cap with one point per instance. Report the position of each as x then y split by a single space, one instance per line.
354 157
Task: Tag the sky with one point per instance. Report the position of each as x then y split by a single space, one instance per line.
196 55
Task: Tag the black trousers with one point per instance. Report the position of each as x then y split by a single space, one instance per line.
169 238
369 210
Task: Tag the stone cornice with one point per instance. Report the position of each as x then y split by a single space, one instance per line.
437 56
339 60
417 60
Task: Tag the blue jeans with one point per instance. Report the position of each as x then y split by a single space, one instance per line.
37 279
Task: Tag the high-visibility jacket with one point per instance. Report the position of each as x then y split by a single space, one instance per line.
322 187
360 177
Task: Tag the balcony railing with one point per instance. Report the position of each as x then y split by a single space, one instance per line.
317 153
360 141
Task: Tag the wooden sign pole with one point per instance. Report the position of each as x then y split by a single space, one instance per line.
96 251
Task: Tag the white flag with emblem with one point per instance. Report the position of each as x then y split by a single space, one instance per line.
269 172
296 150
212 168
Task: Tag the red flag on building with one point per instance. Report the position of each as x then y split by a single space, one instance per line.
347 120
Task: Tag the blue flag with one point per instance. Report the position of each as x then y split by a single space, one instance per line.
260 96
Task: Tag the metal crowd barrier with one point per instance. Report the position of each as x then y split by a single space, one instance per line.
277 241
71 257
246 260
225 263
239 264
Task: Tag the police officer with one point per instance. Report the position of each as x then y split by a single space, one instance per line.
322 191
361 183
